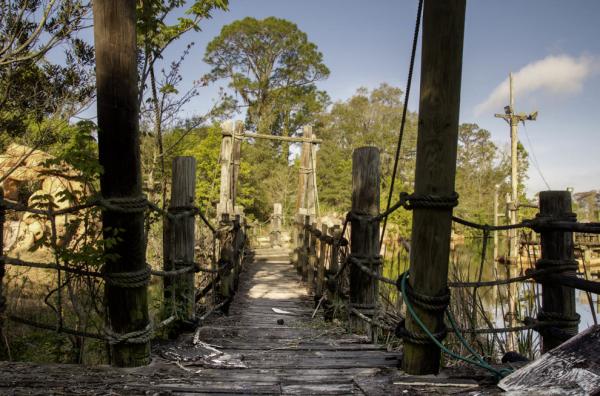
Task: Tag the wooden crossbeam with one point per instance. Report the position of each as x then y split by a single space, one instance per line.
252 135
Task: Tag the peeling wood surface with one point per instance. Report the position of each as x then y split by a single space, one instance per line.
572 368
247 352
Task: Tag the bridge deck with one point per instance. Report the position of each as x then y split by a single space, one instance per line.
254 354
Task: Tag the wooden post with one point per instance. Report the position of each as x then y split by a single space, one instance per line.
180 290
311 198
119 155
237 138
321 264
558 302
239 238
303 174
305 247
511 288
298 238
441 65
276 225
364 235
226 262
333 264
225 158
312 259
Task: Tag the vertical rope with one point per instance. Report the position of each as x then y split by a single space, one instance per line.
404 110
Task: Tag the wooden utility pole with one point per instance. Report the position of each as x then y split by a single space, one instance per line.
179 291
364 235
558 302
513 120
441 67
119 155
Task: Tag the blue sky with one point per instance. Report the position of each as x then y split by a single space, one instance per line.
552 45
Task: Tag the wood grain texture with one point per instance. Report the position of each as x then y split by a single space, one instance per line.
119 155
441 66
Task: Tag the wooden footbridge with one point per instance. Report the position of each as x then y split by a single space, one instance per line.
269 344
259 321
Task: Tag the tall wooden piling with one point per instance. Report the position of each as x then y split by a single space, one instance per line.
441 65
364 234
121 181
179 291
558 302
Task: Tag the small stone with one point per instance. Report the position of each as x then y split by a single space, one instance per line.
279 321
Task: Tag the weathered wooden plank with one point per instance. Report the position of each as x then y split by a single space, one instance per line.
572 368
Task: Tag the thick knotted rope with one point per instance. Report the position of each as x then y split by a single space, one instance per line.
135 337
128 280
124 204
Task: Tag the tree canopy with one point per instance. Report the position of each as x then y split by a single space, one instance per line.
266 61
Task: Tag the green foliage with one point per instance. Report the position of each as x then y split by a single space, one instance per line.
272 66
369 118
155 33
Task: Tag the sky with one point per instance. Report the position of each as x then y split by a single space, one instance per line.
551 46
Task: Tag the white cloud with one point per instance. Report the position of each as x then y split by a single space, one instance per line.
560 74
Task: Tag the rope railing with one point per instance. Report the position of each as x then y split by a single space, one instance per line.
546 272
132 279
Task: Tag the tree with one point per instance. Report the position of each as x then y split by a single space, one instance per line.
479 169
266 61
370 117
30 29
273 67
32 88
155 35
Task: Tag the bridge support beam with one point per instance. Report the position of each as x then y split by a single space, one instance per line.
441 66
364 235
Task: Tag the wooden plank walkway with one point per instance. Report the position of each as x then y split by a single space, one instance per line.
254 354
